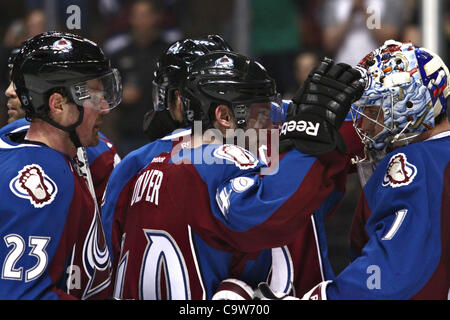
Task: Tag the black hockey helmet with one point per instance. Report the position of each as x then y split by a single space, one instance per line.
171 66
229 78
171 70
12 56
65 63
55 60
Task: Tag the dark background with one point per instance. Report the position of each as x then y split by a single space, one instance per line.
286 36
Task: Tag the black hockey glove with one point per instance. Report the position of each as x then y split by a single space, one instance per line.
158 124
319 108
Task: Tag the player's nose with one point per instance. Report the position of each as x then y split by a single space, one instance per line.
10 92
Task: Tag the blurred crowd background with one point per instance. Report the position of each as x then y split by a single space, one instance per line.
287 36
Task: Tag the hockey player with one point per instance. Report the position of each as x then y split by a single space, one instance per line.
102 158
169 74
310 244
53 242
162 120
186 225
15 110
400 233
292 277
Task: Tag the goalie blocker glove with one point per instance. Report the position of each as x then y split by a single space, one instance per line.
319 108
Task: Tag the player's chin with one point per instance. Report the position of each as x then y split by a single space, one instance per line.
11 119
93 140
14 115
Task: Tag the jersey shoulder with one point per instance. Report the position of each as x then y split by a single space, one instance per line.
398 170
409 168
137 159
129 166
15 155
104 146
35 177
143 156
15 126
216 164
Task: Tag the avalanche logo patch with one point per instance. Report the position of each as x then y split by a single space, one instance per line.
33 184
174 48
242 158
399 172
224 62
62 44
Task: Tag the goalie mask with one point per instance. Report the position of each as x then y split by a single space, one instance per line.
407 88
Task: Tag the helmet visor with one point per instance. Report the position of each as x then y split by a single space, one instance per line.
264 115
102 93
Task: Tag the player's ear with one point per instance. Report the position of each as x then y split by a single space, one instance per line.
176 106
224 117
56 102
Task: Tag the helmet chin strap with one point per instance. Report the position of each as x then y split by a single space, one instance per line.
70 129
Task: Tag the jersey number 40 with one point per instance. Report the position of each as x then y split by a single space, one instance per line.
162 254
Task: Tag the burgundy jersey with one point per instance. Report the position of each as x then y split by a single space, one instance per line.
53 242
186 225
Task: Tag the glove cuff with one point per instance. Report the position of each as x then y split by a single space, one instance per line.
312 136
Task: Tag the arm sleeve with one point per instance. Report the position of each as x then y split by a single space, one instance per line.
256 212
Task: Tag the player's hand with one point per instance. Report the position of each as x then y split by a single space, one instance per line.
319 108
319 292
265 292
233 289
